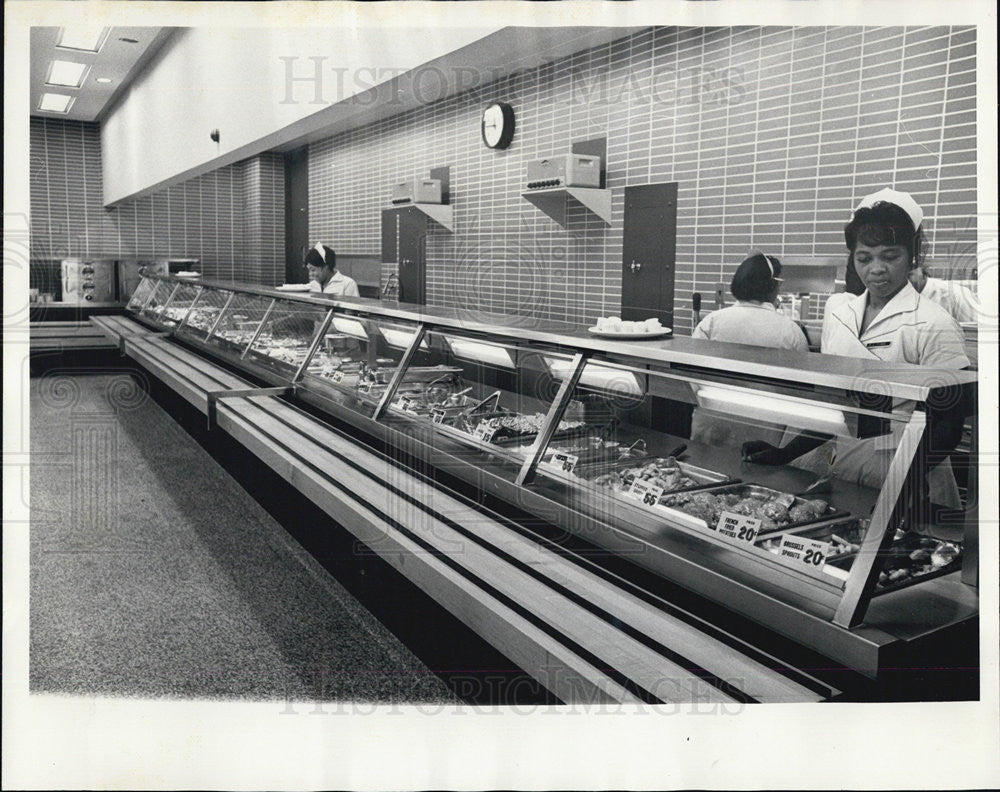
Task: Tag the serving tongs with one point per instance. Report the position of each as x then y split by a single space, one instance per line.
820 486
491 404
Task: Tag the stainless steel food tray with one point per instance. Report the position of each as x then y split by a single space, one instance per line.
706 478
748 490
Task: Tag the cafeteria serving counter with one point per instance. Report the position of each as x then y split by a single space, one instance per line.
591 435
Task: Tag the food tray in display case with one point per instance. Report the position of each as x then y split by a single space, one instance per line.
667 473
775 509
204 314
182 300
287 336
240 322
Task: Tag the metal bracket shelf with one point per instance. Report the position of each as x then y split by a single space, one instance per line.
439 213
554 202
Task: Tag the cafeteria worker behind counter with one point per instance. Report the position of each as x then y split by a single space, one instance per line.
753 320
889 321
321 262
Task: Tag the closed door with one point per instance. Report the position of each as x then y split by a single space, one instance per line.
648 252
296 214
412 256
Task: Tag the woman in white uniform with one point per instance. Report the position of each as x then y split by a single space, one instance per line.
321 262
755 320
890 321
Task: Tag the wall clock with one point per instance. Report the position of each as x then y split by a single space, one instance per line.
498 125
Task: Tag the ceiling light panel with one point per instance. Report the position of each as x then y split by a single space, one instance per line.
66 73
55 103
83 37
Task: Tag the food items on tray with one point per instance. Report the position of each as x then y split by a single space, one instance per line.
916 556
614 324
663 472
774 510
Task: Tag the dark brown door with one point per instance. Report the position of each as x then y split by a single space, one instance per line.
648 252
412 258
296 214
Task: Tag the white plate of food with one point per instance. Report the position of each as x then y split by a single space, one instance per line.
663 331
294 287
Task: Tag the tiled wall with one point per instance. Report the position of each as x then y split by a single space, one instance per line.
773 135
231 219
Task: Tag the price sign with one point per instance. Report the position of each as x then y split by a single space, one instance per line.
365 386
810 553
405 404
337 376
738 527
437 415
486 430
565 462
644 492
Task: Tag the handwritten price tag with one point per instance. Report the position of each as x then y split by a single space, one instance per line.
644 492
565 462
337 376
810 553
437 415
738 527
365 386
486 430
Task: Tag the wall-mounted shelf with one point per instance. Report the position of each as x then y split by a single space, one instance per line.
439 213
554 202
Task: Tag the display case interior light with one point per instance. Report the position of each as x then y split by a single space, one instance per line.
401 339
351 327
480 352
66 73
87 38
605 378
55 103
771 408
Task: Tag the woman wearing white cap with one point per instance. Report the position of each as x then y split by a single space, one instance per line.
321 261
889 321
754 319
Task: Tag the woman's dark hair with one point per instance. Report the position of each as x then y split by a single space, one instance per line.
885 223
852 281
314 259
755 278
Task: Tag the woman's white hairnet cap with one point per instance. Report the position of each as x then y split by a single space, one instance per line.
903 200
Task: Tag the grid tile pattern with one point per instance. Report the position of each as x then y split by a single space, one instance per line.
207 218
772 133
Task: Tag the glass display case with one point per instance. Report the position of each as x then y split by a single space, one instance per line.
180 303
640 447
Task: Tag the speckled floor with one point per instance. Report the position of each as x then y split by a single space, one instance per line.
154 574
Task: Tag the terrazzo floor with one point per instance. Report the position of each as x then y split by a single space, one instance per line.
153 573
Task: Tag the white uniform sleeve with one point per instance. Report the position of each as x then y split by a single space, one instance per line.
351 288
938 344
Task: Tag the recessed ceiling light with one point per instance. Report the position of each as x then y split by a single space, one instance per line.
55 103
66 73
83 37
103 79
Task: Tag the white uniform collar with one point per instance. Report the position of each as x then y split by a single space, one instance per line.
754 304
852 311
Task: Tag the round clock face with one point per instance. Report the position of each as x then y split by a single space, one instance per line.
498 125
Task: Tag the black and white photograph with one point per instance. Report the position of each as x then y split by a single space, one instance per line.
578 395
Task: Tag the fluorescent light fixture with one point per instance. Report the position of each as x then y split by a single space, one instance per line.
480 352
351 327
618 381
88 38
55 103
771 408
103 80
400 339
66 73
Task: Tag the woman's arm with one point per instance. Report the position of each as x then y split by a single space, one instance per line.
762 453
